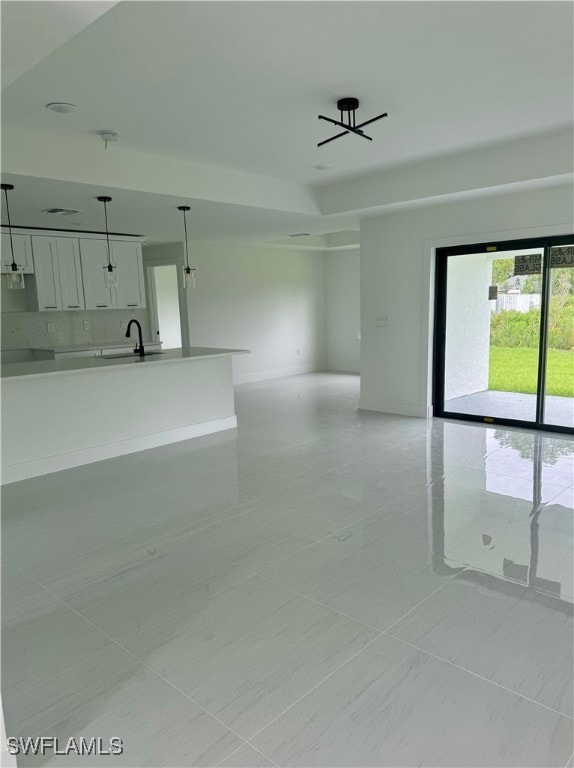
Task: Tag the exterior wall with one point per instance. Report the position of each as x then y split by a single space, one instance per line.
467 325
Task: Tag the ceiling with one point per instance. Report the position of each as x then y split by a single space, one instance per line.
240 85
155 216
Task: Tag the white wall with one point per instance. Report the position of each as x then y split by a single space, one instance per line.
467 325
397 255
268 300
343 311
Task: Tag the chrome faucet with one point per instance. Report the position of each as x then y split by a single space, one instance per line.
139 348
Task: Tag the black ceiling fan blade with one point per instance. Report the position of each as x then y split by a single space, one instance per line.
372 120
348 128
338 136
332 120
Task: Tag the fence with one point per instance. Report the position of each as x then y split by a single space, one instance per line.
520 302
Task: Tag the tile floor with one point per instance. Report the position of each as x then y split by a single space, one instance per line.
558 411
322 588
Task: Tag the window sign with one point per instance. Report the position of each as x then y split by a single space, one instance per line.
528 265
562 256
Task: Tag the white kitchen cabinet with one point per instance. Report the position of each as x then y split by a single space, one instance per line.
58 273
70 270
130 291
47 273
22 253
127 258
94 258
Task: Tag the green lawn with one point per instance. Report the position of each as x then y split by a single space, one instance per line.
515 369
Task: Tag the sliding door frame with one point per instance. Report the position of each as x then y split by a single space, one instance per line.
439 352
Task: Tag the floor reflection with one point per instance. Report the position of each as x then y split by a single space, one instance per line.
502 504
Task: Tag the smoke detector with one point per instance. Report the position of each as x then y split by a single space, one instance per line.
61 107
61 211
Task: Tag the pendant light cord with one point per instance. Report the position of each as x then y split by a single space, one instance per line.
10 228
107 233
185 229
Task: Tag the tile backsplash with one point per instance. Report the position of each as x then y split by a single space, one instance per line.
23 330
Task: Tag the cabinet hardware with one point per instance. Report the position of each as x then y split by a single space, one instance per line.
73 306
48 307
132 305
100 306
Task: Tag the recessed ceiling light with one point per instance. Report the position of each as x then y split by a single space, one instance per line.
322 167
61 107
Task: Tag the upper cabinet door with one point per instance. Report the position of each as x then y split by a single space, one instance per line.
94 257
47 273
22 253
70 273
130 291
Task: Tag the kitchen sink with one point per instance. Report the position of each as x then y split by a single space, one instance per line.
131 354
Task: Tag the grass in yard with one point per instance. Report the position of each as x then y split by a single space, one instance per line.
515 369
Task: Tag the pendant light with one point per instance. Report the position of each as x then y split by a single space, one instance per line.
111 272
189 272
15 278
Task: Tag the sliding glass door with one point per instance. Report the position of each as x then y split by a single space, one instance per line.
504 347
558 407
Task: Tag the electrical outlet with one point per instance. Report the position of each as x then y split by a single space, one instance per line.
86 325
123 324
50 327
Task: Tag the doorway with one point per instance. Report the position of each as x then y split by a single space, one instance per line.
504 339
166 314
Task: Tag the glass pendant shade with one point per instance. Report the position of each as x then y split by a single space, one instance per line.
111 277
15 280
189 274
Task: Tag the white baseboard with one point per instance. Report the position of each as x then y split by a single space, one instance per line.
400 409
47 464
278 373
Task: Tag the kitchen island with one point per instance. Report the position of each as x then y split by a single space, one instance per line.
58 414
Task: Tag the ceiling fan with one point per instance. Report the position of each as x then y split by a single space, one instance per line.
349 105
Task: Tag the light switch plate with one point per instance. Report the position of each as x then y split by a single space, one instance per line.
86 325
382 322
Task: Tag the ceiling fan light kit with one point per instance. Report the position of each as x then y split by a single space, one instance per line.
349 104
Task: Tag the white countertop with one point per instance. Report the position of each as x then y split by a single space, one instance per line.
101 345
87 364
